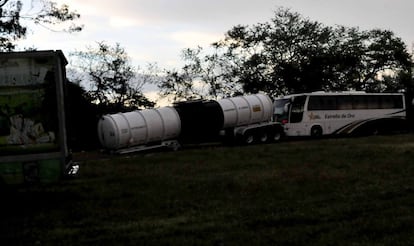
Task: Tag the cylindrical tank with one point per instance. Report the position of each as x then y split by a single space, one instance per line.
138 127
245 110
192 121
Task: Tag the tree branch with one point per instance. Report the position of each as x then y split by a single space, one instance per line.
3 2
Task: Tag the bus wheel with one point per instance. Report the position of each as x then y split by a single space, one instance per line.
316 132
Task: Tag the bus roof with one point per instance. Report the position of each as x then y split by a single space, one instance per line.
336 93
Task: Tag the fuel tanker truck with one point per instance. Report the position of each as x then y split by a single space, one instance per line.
242 120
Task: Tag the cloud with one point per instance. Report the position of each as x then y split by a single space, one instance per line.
160 101
221 15
158 30
191 39
122 22
179 12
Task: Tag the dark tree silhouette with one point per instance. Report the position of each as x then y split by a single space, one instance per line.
114 82
292 54
14 23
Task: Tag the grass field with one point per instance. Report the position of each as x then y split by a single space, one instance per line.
357 191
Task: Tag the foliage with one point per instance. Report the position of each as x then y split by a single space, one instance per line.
292 54
81 118
113 80
203 75
14 23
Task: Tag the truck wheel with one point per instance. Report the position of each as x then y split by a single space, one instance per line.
263 137
277 136
248 138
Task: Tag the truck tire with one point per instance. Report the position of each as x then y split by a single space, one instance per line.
263 136
277 136
248 138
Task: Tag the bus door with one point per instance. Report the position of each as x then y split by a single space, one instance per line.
296 127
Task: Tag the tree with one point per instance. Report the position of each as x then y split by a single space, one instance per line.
81 118
368 60
292 54
203 75
14 23
113 81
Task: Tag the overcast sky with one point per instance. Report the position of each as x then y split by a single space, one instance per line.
156 31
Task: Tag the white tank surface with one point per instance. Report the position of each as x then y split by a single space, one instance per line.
138 127
245 110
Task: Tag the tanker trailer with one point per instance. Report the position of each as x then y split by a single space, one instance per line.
243 119
248 119
140 130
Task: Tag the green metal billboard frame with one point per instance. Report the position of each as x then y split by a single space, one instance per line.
41 165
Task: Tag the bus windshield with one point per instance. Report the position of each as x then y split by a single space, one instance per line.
279 114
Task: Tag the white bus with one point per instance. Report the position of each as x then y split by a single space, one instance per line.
343 113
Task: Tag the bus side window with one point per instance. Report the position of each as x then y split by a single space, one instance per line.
387 103
344 102
330 103
373 102
322 103
359 102
398 101
391 102
315 103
